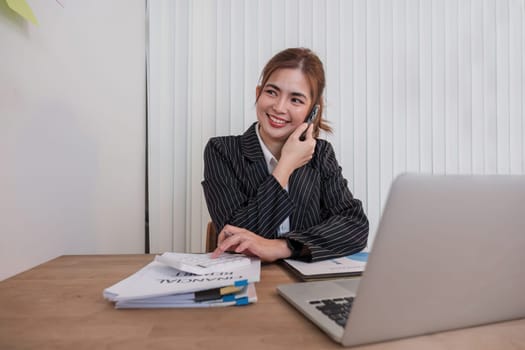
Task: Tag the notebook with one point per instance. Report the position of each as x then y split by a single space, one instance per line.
448 254
346 266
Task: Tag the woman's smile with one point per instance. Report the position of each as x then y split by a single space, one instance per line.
276 122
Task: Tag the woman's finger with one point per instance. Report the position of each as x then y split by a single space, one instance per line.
227 242
243 246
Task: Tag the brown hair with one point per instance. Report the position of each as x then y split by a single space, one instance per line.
312 67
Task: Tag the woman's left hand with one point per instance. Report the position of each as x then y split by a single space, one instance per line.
240 240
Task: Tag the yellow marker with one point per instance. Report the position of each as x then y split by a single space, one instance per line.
229 290
22 8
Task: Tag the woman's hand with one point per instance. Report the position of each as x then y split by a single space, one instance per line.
295 153
240 240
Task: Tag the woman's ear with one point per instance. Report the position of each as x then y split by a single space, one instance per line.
257 92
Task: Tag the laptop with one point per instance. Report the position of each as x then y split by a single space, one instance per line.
449 253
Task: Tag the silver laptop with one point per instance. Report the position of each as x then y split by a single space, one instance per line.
449 253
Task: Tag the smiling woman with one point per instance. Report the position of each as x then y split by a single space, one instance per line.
269 192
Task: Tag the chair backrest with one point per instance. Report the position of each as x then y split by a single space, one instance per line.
211 237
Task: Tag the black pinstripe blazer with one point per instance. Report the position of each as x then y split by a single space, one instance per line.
323 213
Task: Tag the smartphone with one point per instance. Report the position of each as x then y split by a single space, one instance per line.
309 120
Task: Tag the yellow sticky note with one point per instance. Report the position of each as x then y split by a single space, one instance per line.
22 8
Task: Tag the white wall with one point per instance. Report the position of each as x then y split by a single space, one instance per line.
433 86
72 131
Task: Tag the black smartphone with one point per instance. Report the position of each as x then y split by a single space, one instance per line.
309 120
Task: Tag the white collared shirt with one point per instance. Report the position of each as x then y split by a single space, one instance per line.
271 163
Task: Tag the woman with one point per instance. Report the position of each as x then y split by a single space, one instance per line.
273 195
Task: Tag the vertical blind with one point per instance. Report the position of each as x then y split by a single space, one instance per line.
424 86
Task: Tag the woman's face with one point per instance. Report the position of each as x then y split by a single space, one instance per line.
283 104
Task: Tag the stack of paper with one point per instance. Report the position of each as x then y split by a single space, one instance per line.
160 286
347 266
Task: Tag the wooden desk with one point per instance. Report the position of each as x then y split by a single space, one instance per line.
59 305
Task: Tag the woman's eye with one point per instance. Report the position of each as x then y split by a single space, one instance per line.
271 92
297 100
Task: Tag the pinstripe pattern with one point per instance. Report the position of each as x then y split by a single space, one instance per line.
323 213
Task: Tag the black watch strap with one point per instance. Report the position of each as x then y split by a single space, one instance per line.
295 247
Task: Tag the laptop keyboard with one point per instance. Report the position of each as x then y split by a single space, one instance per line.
336 309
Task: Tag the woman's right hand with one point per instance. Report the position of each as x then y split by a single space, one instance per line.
239 240
295 153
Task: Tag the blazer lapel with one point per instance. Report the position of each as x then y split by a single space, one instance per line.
256 169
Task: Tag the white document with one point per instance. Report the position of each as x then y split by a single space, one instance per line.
157 279
246 296
201 264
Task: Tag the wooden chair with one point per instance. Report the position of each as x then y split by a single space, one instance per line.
211 237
